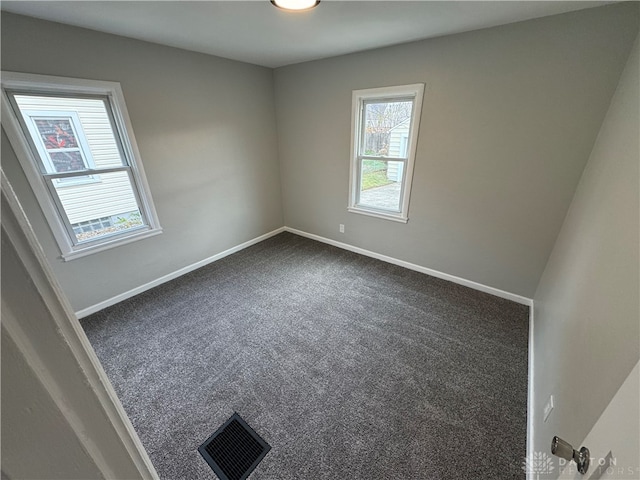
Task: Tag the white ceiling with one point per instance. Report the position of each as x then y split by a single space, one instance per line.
256 32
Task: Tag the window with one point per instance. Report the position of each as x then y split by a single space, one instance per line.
385 123
74 141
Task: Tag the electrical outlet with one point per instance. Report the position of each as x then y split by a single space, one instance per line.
341 228
548 407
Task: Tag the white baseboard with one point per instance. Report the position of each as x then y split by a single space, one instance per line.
170 276
411 266
467 283
530 392
418 268
445 276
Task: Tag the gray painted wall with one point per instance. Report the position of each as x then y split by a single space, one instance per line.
509 118
38 365
205 127
31 419
505 134
586 307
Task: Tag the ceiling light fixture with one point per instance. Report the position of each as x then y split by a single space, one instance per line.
295 5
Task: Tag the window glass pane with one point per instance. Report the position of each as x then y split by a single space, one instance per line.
88 117
385 125
103 207
67 161
381 184
56 133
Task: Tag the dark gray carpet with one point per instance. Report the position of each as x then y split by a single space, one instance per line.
350 368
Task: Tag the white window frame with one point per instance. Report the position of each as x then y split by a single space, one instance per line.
42 183
412 92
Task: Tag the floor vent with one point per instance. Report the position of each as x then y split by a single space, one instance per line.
234 450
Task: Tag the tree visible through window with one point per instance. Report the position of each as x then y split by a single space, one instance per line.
380 119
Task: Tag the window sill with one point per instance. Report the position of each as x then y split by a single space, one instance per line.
116 242
394 217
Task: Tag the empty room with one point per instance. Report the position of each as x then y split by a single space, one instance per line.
301 239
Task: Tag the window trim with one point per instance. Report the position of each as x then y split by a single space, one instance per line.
359 99
46 84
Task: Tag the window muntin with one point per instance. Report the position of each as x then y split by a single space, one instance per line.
80 159
384 134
